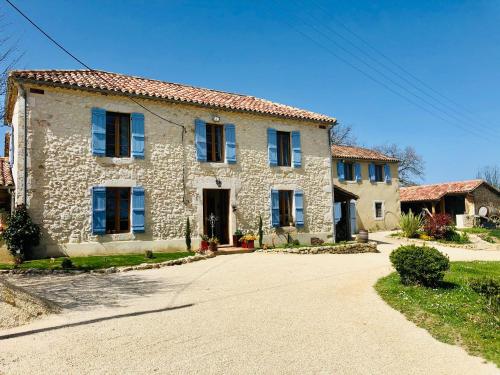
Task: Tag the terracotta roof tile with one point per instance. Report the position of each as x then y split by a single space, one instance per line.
436 191
124 84
6 173
353 152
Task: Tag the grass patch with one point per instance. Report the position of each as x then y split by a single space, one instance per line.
453 313
489 235
96 262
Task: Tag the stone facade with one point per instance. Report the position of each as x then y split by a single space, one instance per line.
62 171
371 192
484 196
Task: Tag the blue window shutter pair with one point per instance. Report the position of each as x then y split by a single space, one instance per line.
340 170
99 133
357 172
138 209
387 171
99 209
371 171
230 133
299 208
297 152
352 214
275 208
272 147
137 130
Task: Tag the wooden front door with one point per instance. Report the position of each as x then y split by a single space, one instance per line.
216 205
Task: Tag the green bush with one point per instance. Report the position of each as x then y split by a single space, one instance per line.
148 254
410 224
261 232
66 263
488 287
419 265
454 236
21 234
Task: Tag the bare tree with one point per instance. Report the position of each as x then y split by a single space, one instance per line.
411 165
491 174
9 56
342 134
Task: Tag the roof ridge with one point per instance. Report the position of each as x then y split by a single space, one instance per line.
443 183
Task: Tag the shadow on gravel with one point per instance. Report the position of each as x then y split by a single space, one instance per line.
87 291
91 321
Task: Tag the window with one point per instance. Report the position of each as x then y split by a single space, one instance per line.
379 210
215 142
283 145
117 134
349 171
117 210
285 204
379 173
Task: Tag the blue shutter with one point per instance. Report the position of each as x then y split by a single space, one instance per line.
352 214
299 208
200 139
275 208
272 147
340 170
98 210
98 132
387 168
371 171
137 130
138 209
230 133
337 210
357 171
297 153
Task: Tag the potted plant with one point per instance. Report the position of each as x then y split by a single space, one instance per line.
237 237
204 242
247 240
212 244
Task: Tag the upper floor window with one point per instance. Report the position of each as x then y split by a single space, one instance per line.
117 210
215 142
283 146
117 134
379 172
349 171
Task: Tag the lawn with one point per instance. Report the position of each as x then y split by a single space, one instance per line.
490 235
454 313
96 262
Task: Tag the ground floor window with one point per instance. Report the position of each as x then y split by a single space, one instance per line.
286 204
379 210
117 210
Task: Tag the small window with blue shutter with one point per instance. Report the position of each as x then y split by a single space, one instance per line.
117 210
387 170
230 133
138 209
299 208
297 152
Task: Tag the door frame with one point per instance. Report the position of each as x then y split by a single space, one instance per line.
227 229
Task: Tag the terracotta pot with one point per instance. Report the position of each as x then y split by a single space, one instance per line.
204 245
249 244
362 236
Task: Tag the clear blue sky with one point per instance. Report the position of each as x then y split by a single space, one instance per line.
253 47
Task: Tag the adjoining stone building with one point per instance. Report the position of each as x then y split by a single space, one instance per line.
453 198
103 174
372 178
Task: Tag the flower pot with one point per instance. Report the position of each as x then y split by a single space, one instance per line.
249 244
236 240
204 245
362 236
212 246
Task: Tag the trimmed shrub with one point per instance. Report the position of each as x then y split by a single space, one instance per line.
66 263
438 225
261 232
188 235
410 224
21 234
420 265
488 287
148 254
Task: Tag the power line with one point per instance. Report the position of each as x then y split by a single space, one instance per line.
455 107
390 79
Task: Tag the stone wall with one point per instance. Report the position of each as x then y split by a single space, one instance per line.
62 171
369 192
485 196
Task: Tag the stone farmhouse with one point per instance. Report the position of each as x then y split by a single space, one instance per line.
372 180
109 163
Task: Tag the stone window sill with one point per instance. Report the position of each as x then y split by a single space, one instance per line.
115 161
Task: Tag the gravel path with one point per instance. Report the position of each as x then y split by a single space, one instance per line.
236 314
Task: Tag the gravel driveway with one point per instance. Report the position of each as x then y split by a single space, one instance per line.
236 314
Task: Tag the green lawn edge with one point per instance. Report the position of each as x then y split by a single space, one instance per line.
454 314
98 261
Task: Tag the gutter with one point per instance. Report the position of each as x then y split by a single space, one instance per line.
330 166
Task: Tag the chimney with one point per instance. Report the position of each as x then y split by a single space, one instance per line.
6 145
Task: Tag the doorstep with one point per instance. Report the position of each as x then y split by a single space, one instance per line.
226 250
